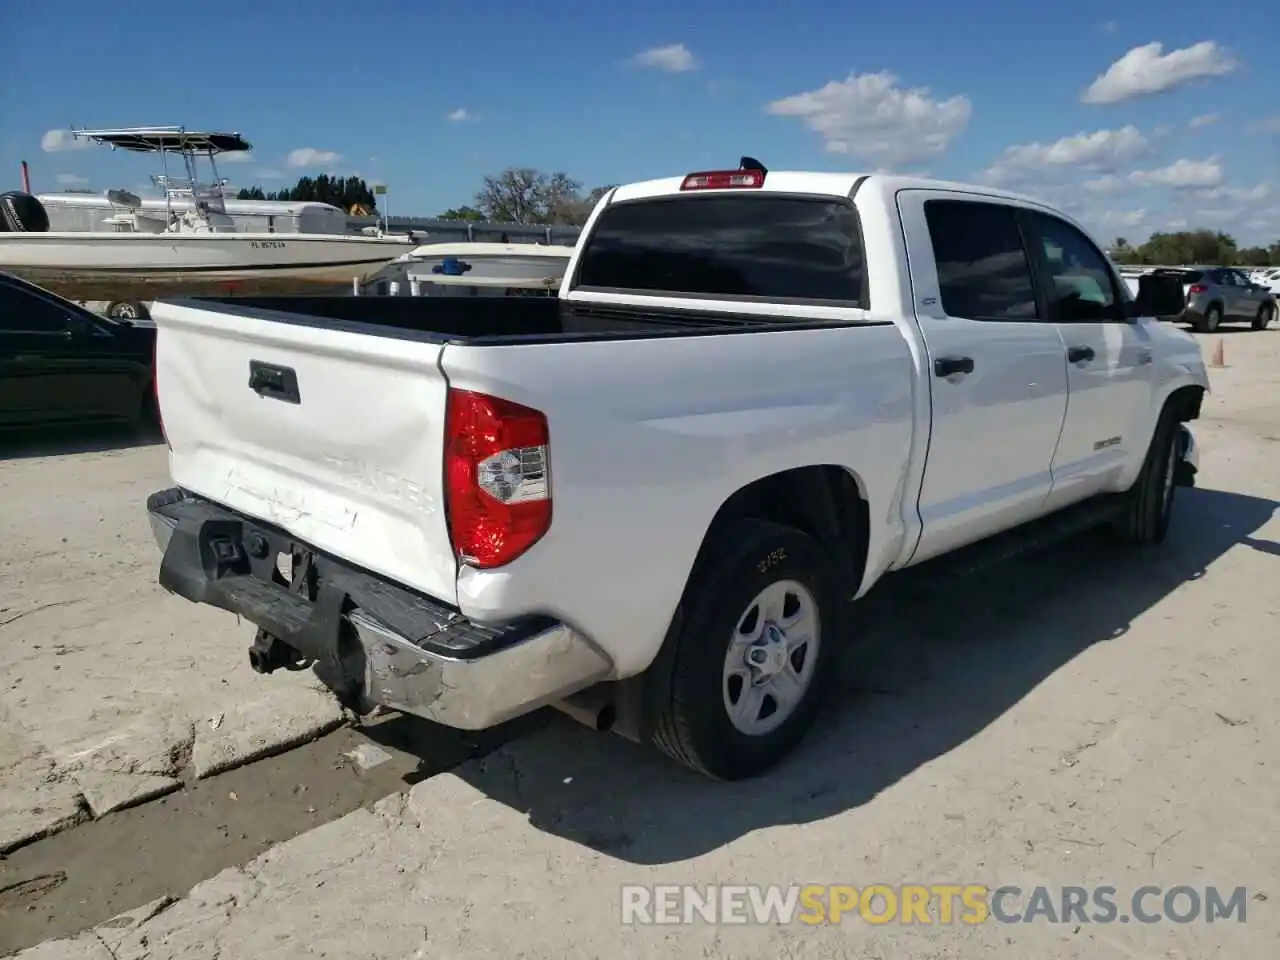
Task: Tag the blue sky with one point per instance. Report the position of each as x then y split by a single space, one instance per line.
1133 118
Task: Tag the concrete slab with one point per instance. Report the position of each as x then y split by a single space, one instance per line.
34 800
120 683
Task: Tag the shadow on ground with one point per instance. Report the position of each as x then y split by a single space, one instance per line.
30 443
938 667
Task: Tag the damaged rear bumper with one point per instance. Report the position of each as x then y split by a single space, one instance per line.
370 640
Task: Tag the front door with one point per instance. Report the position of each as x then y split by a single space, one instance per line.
999 382
1110 373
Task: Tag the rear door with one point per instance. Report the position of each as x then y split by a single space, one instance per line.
1230 292
999 388
331 431
1110 373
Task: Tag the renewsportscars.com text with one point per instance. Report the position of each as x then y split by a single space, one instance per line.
939 904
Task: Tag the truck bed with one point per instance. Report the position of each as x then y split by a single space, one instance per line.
480 320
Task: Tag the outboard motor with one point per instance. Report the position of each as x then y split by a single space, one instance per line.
22 213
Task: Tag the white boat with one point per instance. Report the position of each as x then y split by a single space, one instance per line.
192 246
473 268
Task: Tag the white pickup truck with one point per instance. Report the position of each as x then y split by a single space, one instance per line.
650 500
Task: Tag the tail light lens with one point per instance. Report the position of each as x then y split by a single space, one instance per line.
497 485
1196 288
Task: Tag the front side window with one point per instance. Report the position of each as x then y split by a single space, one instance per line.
983 270
22 312
1082 284
768 247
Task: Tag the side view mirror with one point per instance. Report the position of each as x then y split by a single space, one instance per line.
1159 295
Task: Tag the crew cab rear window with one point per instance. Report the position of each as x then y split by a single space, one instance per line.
767 247
983 269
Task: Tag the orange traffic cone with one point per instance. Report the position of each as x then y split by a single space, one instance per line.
1218 359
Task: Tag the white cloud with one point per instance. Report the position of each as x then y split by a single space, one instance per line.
311 157
1124 218
61 141
460 116
673 58
1266 125
70 180
1181 173
1203 120
1102 151
235 156
1147 70
870 116
268 174
1177 223
1107 183
1252 195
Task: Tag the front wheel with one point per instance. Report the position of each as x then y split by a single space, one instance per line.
1266 313
1150 501
753 653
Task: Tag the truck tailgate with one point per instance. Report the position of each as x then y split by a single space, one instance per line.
352 463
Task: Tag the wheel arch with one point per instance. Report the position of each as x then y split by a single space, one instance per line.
825 501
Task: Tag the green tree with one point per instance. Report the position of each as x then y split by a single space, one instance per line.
341 192
462 213
526 195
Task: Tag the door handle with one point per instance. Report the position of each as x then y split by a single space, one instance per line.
1080 354
948 366
273 382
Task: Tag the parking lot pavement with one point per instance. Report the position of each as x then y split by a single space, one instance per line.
111 690
1092 716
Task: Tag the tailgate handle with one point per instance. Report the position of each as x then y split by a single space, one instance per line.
276 383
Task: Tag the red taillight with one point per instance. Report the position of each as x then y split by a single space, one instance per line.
1197 288
497 488
723 180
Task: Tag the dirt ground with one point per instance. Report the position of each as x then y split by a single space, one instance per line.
1089 716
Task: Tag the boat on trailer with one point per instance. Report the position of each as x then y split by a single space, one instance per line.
191 247
473 268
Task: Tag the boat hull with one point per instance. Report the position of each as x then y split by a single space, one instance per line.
134 266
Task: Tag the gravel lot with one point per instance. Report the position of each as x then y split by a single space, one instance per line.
1090 716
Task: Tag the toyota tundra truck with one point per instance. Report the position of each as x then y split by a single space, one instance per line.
653 500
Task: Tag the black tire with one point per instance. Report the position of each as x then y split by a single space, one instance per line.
1211 320
694 726
130 310
1266 313
1150 507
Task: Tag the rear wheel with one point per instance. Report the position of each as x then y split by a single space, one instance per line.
1266 313
1150 507
1211 320
753 653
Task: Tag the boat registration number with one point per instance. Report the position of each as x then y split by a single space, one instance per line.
267 244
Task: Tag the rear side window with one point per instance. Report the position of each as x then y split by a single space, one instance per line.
983 269
766 247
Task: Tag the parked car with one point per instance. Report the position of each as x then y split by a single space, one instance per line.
59 363
1217 295
649 500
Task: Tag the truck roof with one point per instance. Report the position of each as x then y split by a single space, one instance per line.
821 184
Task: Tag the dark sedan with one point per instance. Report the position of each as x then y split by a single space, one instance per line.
59 363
